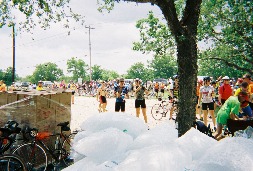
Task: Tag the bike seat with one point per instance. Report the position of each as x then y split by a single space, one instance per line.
63 124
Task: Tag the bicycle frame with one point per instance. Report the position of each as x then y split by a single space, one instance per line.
63 137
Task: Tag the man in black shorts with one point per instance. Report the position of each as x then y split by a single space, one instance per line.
140 100
120 91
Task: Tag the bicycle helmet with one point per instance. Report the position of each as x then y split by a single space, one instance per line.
175 77
207 78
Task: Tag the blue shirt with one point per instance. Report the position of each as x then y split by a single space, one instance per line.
122 91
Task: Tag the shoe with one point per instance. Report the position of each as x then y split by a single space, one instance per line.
201 118
210 117
214 128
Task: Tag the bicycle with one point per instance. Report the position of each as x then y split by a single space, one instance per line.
160 110
35 152
9 162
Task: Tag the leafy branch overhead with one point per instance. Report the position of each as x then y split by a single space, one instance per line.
27 14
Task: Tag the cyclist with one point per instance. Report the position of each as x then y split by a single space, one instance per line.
247 112
140 100
205 96
102 93
225 90
229 110
156 87
120 92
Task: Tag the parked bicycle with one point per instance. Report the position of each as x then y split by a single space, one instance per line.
9 162
36 153
160 109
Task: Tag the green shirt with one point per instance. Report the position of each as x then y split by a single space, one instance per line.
140 93
232 105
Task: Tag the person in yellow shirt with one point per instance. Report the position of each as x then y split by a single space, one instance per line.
247 112
40 86
2 86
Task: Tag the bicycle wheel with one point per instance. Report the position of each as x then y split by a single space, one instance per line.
11 162
157 112
33 155
66 150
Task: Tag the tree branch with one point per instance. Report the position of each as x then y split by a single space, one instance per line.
233 65
191 15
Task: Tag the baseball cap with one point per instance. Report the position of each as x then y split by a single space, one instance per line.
225 78
137 79
121 79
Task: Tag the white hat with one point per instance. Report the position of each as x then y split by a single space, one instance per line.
225 78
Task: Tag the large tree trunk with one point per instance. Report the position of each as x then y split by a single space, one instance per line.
187 71
185 32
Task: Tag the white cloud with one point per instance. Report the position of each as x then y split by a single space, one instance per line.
111 40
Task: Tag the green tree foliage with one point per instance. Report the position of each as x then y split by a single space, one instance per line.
109 75
138 70
228 24
36 12
97 72
154 37
46 72
164 66
78 68
6 76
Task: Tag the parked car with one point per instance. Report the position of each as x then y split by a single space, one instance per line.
47 83
25 84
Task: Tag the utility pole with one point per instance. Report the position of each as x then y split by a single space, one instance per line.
13 53
90 48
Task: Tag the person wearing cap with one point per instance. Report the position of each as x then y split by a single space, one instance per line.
39 86
140 100
225 90
206 98
120 92
229 110
2 86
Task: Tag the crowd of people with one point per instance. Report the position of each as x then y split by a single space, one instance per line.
233 98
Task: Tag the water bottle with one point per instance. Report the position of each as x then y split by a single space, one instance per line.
56 145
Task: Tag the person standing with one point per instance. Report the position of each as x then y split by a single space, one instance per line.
225 90
162 87
205 96
73 90
120 92
101 97
229 110
140 90
156 88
